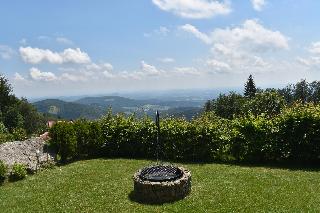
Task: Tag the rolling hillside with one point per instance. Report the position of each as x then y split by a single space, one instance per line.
95 107
68 110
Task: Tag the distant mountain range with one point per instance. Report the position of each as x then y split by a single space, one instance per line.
95 107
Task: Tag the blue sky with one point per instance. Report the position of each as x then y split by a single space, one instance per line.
75 47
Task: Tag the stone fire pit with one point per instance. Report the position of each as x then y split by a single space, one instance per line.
161 184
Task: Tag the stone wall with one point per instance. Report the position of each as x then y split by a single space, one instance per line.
162 192
24 152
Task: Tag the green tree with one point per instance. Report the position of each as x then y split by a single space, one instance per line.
208 106
250 88
302 91
6 98
33 122
13 119
315 90
270 103
287 93
228 106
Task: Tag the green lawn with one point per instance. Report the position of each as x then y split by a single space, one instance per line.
104 186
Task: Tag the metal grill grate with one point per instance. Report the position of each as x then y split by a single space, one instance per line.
160 173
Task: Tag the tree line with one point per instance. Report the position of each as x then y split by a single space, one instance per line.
18 118
268 101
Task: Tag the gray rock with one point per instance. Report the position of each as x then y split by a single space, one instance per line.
24 152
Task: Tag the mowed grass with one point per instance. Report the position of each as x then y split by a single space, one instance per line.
105 185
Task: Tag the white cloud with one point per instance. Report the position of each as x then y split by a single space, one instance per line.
240 49
37 55
251 35
37 75
82 73
161 31
315 48
72 77
166 60
193 30
258 4
186 71
6 52
314 58
64 40
194 9
89 72
218 66
150 70
18 77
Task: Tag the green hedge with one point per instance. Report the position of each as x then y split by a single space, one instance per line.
293 135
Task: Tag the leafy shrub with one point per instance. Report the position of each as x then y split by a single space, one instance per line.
128 136
19 172
3 129
89 138
293 135
6 137
268 103
228 106
252 138
299 132
19 134
63 137
3 171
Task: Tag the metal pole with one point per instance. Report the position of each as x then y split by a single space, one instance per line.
158 133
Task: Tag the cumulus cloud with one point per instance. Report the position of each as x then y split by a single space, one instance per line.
82 73
37 55
239 48
149 70
194 9
258 4
251 35
88 72
38 75
6 52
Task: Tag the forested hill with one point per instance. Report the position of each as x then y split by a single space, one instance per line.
95 107
115 102
68 110
119 102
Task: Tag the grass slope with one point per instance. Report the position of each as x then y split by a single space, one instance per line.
104 186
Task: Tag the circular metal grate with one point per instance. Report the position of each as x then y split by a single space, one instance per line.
159 173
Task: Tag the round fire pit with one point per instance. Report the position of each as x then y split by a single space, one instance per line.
161 183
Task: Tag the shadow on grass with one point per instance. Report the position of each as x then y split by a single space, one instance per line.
134 198
289 165
292 166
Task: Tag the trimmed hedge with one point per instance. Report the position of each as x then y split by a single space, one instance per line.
293 135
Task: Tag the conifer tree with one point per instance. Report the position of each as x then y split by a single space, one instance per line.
250 88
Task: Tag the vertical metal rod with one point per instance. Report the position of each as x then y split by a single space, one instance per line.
158 133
